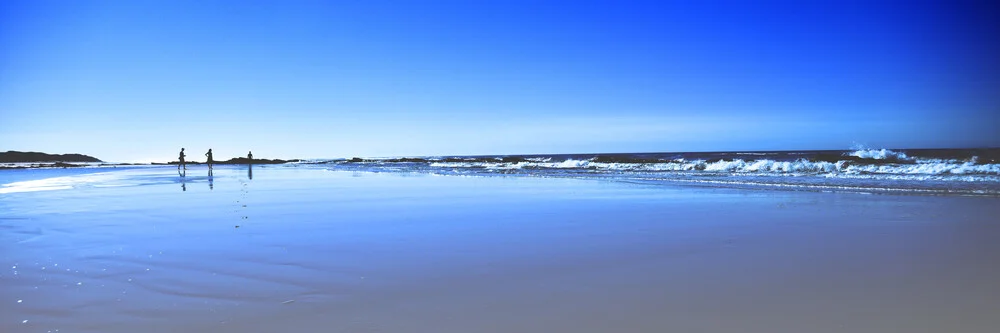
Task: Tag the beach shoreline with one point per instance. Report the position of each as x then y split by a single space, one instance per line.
311 249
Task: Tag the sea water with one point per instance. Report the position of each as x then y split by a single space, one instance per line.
918 171
924 171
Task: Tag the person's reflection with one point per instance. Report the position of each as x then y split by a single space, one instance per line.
250 171
182 174
211 183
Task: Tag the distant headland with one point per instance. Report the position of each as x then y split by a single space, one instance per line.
26 160
30 156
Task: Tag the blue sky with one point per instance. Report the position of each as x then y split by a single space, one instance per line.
137 80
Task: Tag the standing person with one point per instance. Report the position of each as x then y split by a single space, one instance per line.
209 155
181 158
250 164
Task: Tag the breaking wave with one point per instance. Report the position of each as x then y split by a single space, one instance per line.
969 171
801 166
879 154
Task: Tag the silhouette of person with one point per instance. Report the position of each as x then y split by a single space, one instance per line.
181 158
250 156
209 155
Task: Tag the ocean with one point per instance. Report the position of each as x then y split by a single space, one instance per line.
508 243
971 172
913 171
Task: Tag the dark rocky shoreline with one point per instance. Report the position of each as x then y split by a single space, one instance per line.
233 161
35 160
32 157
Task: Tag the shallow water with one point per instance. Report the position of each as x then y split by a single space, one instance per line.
310 249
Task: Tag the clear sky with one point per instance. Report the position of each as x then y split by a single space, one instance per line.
137 80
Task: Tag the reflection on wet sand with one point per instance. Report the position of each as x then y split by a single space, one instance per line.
440 248
182 175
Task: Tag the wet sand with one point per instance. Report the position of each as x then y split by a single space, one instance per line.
144 250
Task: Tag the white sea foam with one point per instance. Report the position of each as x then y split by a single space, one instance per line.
56 183
879 154
764 166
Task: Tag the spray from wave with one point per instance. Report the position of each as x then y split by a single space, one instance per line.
879 154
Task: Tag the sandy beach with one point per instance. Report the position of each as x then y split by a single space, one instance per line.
144 250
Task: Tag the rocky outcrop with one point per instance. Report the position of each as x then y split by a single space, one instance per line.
30 157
